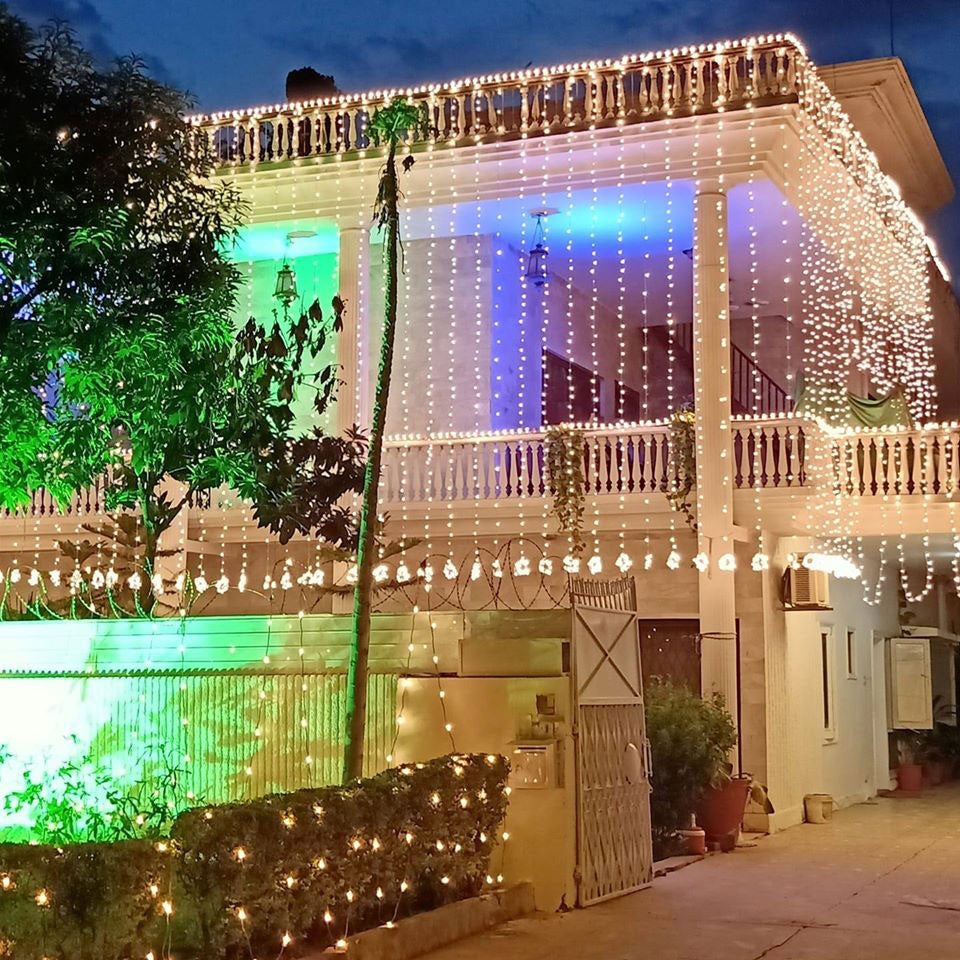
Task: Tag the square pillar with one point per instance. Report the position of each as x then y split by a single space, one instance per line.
353 402
711 360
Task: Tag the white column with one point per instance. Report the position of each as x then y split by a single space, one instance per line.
353 404
353 401
711 356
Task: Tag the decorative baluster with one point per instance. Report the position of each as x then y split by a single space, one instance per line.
536 112
417 474
779 453
700 85
641 99
493 121
738 457
950 473
297 122
478 128
685 88
791 81
770 74
671 85
733 66
610 104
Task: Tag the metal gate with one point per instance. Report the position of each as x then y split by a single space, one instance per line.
614 850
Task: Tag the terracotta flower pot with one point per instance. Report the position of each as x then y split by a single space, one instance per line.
910 777
694 841
721 811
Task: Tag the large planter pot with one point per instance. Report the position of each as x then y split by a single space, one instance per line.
721 812
910 777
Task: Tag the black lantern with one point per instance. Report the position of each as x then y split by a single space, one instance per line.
286 289
537 256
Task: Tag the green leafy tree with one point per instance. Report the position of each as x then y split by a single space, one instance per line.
389 126
118 350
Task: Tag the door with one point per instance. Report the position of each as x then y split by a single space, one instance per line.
910 690
671 649
614 849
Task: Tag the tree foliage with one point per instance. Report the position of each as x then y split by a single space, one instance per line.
118 349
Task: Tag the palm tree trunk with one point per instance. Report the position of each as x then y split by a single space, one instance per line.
366 549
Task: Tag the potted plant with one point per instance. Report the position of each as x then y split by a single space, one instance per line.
690 741
909 767
722 807
938 747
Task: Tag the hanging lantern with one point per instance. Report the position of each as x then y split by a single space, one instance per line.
538 254
286 289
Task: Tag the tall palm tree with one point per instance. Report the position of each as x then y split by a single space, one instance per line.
389 125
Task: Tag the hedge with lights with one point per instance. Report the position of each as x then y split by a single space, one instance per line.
91 901
249 879
323 863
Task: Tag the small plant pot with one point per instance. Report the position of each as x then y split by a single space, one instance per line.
818 807
721 811
694 842
910 777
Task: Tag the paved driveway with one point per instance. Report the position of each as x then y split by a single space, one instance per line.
815 892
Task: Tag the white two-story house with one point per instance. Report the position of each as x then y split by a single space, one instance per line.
720 228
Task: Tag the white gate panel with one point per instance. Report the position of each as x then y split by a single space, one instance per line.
614 848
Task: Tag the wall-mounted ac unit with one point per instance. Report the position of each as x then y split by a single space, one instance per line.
805 589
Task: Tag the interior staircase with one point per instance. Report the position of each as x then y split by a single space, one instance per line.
752 389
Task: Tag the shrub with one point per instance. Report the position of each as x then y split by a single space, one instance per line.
239 878
690 739
81 802
321 863
93 901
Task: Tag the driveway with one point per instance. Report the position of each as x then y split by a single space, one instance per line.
835 891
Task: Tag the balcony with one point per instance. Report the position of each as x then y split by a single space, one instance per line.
787 467
710 78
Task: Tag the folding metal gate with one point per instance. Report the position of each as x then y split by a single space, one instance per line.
614 850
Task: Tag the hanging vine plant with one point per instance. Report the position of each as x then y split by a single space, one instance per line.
567 484
683 450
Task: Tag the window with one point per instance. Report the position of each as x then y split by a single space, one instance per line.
826 673
570 392
852 654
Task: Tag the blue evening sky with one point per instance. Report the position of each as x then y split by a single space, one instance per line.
237 53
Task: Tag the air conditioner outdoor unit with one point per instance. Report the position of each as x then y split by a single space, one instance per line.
805 589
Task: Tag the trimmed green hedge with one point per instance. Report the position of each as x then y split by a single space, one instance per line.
93 901
316 864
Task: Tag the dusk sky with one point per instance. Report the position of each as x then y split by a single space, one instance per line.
238 53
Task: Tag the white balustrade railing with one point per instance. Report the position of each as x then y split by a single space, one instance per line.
774 453
877 463
630 89
771 453
511 466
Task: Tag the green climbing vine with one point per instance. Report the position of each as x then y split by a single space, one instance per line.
683 450
567 485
